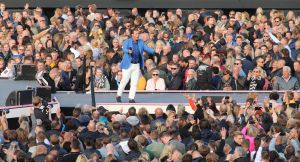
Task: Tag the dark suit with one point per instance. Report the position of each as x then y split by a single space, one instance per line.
176 82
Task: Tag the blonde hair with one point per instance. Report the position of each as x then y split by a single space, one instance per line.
193 72
212 157
144 157
252 131
82 158
168 149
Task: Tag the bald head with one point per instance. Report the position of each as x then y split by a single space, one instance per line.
158 112
49 158
41 149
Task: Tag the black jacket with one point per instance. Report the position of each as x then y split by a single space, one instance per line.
229 83
51 82
176 82
204 77
192 84
132 155
79 80
115 59
255 83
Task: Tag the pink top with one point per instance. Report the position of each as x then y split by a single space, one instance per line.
251 139
158 85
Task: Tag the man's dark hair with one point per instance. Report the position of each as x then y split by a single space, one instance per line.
28 58
265 155
76 112
263 46
164 133
215 70
187 158
88 142
75 144
145 119
273 155
116 126
274 96
123 134
54 139
131 111
269 23
204 124
133 30
132 144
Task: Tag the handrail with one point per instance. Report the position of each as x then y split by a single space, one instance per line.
22 106
180 91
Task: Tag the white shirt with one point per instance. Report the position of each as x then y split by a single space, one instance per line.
7 73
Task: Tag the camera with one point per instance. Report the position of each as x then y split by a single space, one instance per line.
258 108
45 106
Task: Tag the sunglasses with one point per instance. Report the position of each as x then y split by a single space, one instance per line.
154 74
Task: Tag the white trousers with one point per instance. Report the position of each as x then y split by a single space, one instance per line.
132 73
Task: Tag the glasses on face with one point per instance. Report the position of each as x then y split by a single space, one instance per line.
154 74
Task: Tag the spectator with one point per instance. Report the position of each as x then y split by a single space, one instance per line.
255 80
191 80
9 70
227 82
75 151
117 80
156 83
100 81
176 79
296 68
286 82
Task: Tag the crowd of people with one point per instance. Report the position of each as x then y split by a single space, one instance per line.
173 50
196 50
251 132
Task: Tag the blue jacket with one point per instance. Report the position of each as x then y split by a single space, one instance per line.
127 44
